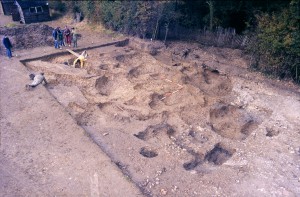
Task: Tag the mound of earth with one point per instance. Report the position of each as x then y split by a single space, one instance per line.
27 36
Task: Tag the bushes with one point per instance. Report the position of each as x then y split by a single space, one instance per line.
277 43
57 6
132 17
277 36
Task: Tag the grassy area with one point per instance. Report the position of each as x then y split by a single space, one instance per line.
11 25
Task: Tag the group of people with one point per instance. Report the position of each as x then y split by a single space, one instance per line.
61 38
64 37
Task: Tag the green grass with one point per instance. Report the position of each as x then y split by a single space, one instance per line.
10 25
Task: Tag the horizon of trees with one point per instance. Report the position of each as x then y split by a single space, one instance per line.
274 25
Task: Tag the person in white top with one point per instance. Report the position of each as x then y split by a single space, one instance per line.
37 79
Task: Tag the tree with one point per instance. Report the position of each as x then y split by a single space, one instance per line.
278 42
211 13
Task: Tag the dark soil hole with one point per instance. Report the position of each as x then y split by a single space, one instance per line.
271 132
185 53
248 127
117 65
215 71
198 137
132 101
218 155
192 133
177 64
103 66
196 56
207 74
155 98
223 111
101 85
186 79
81 119
193 163
77 64
170 131
185 70
155 76
154 130
138 86
153 51
141 135
120 58
148 152
102 105
134 72
101 82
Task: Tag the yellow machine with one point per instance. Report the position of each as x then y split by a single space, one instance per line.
81 58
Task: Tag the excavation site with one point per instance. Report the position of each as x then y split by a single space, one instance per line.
181 120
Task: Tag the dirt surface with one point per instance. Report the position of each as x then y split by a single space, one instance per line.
181 120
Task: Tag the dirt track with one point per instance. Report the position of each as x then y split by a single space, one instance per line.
176 125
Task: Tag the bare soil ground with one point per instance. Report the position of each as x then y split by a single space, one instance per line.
182 120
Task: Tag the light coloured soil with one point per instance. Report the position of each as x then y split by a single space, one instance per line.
142 118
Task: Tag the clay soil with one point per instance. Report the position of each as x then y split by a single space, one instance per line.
176 120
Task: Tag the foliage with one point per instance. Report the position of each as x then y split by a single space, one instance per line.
142 18
274 24
57 6
10 25
278 42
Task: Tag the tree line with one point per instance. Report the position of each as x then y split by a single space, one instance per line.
273 25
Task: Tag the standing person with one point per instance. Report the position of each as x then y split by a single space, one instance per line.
74 37
63 39
55 37
67 34
7 44
60 38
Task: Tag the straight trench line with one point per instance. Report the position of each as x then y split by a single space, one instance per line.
23 61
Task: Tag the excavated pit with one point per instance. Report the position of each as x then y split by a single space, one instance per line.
219 154
231 121
146 152
132 101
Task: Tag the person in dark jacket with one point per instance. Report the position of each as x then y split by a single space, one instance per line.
55 37
7 44
60 38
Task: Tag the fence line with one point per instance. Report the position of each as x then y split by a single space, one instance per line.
220 37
